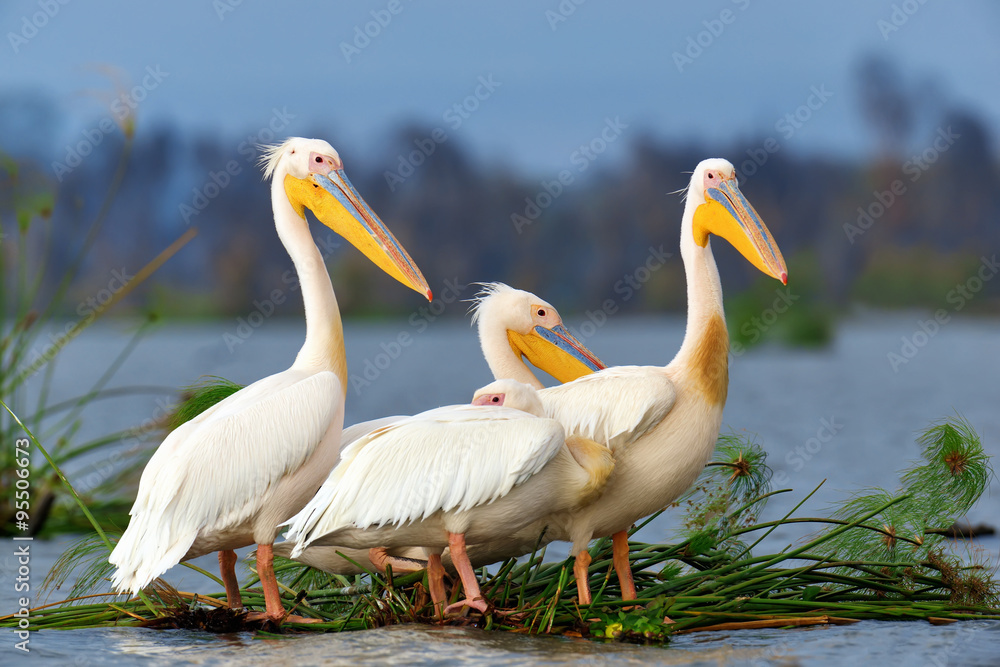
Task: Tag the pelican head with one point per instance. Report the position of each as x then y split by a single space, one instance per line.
511 394
721 209
313 177
534 330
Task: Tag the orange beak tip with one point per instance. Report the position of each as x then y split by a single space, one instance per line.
783 278
430 296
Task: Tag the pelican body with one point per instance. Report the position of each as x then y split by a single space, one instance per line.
229 477
452 476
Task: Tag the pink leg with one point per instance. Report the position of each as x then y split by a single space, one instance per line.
435 581
623 567
460 559
580 567
272 595
227 565
380 558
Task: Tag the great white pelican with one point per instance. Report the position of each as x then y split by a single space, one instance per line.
515 325
659 422
452 476
228 478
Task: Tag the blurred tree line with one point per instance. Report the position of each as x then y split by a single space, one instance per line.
464 220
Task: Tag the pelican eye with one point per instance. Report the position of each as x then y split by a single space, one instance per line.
319 160
495 399
541 312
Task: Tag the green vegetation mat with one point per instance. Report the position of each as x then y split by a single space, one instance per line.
877 555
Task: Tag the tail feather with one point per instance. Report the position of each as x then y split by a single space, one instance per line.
140 559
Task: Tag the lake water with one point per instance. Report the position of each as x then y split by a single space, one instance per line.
793 400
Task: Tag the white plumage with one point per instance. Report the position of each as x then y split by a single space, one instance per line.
503 315
452 475
448 459
229 477
211 477
615 406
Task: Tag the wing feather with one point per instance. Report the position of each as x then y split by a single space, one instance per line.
213 472
355 431
615 406
446 459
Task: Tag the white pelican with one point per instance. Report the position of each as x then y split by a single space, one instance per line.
227 478
452 476
661 423
515 324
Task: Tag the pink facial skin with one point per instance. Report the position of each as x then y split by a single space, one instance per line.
323 164
489 399
713 178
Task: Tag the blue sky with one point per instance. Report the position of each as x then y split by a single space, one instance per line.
555 81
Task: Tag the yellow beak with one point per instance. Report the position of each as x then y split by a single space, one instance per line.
336 204
556 352
728 214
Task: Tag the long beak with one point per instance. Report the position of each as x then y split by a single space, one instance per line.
556 352
728 214
335 202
